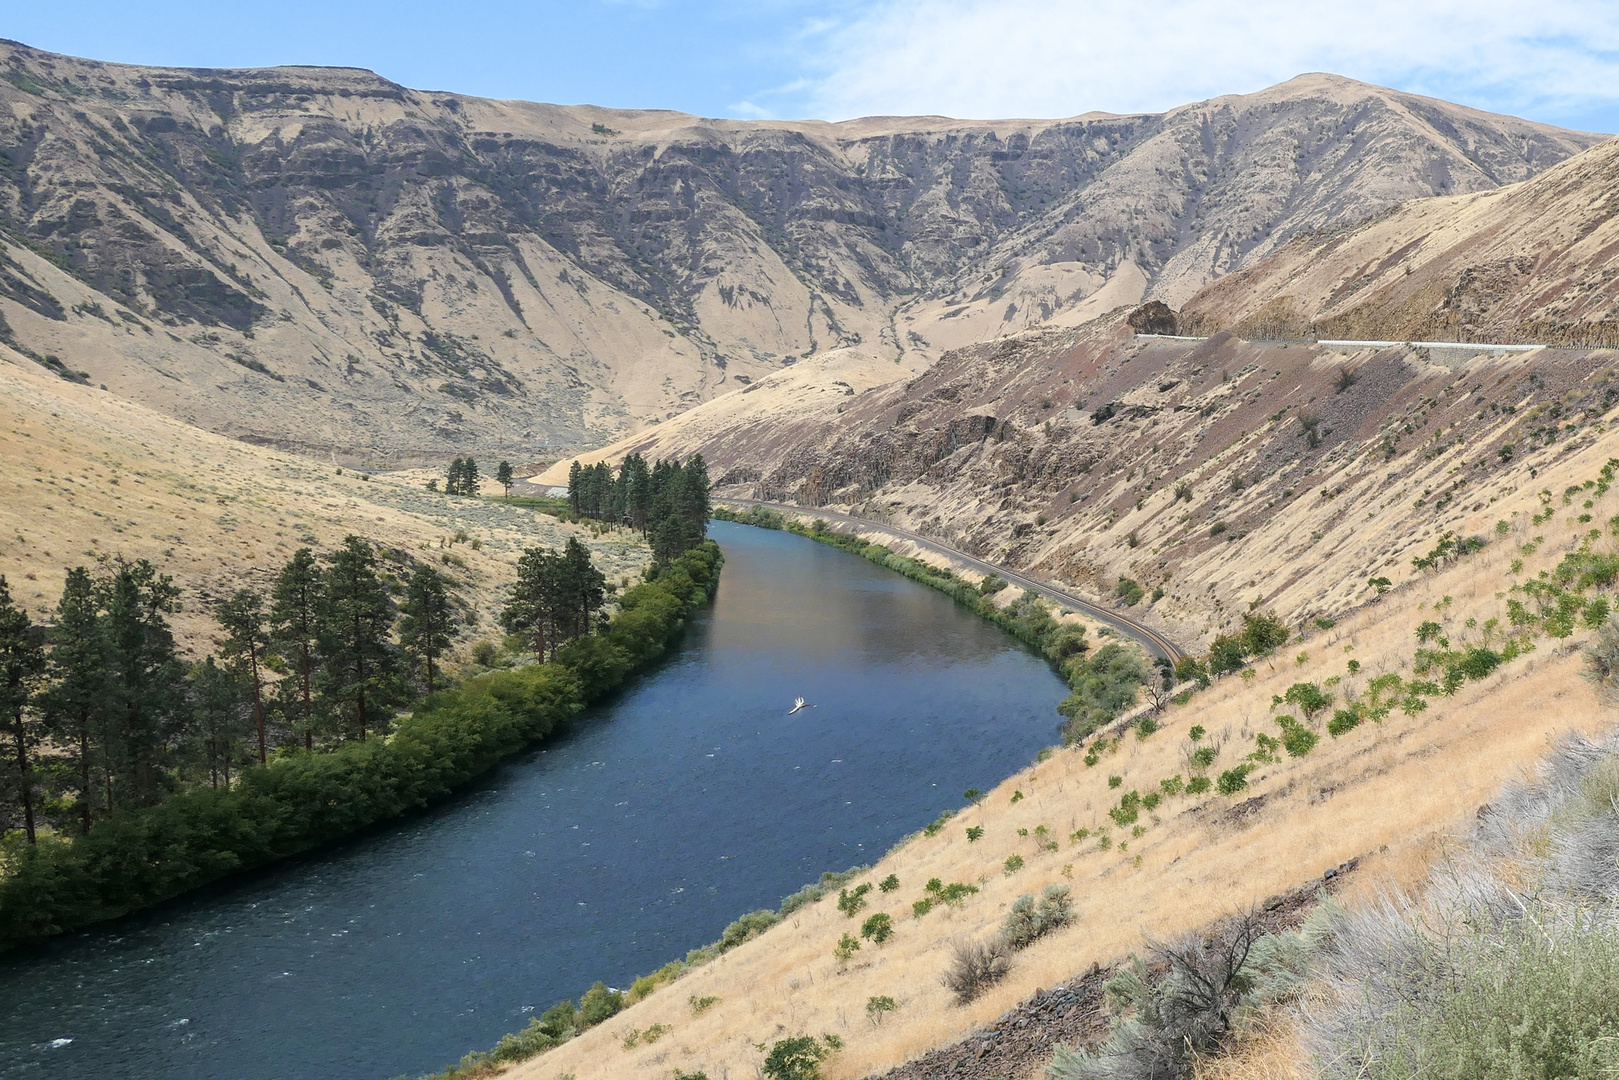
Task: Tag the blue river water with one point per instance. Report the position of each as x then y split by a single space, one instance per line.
689 798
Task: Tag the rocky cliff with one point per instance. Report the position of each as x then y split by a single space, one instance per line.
325 260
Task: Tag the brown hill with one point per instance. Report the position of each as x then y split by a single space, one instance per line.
1226 472
323 259
1533 262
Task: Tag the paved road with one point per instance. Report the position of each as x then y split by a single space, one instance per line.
1151 640
1481 347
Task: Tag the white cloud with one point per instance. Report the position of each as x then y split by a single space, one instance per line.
979 58
747 110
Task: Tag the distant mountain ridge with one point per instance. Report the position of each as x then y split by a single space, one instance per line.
324 260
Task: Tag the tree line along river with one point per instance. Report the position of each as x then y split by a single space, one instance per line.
682 802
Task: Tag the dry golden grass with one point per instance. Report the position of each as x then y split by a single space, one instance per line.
1268 1050
85 476
1393 792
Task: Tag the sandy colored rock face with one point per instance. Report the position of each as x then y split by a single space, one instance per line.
325 261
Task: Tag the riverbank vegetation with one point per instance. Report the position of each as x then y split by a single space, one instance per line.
143 740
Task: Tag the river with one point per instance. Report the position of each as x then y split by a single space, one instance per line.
687 799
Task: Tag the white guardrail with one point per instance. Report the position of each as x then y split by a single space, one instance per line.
1476 345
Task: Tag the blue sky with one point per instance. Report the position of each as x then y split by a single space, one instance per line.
1551 60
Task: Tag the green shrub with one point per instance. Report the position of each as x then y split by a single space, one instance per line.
1013 864
1309 697
955 894
1343 721
937 824
846 947
878 928
1233 780
747 928
1172 786
598 1004
1203 757
814 891
1103 684
1197 785
889 883
921 907
852 900
974 832
878 1006
1129 591
700 1005
799 1057
1297 739
1128 810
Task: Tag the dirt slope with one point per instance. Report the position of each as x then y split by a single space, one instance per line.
1533 262
321 259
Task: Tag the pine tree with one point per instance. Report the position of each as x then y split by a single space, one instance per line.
75 699
359 672
428 626
242 616
452 480
22 662
216 696
535 607
575 481
603 490
469 477
694 485
147 691
636 479
583 587
504 477
294 621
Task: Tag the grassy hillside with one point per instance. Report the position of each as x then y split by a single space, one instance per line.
85 476
1394 792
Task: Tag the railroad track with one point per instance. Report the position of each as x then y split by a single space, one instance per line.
1151 640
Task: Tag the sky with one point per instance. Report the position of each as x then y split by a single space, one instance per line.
1551 60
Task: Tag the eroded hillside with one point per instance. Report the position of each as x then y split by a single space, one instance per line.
1225 473
321 259
1536 262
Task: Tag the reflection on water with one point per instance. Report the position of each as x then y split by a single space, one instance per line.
688 799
